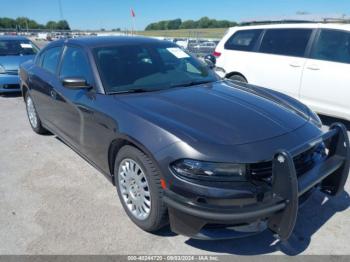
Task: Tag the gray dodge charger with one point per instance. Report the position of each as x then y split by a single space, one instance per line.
212 157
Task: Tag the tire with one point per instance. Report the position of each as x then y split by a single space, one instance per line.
157 216
238 78
33 116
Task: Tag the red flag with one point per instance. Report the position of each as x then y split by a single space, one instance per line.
132 12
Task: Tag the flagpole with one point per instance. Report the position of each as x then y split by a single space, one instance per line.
133 16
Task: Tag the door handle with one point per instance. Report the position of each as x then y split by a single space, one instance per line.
313 67
53 94
85 109
295 65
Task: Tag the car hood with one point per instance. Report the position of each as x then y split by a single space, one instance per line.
220 112
13 62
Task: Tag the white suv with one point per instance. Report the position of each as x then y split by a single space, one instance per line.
310 62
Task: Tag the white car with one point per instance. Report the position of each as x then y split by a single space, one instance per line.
310 62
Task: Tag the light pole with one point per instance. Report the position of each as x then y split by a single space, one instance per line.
60 9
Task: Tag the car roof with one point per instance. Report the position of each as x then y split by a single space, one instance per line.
12 37
97 41
295 25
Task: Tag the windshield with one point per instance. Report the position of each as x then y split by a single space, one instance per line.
17 47
149 67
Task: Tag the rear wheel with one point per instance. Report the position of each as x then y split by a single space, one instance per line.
238 78
138 184
33 116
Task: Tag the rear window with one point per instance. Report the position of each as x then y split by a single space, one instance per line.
17 47
289 42
332 45
243 40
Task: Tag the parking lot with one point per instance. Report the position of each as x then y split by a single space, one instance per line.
54 202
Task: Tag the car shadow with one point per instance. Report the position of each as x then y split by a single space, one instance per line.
165 232
11 95
328 120
312 216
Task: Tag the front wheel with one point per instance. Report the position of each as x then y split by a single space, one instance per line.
33 116
138 184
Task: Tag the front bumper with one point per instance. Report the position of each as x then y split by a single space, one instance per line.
278 209
9 83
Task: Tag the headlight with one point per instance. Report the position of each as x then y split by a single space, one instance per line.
2 69
209 170
315 119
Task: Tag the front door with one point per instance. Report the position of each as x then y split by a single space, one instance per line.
279 62
71 112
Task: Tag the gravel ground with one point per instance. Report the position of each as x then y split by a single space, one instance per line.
53 202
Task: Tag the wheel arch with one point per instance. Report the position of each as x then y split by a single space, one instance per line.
24 90
120 142
236 73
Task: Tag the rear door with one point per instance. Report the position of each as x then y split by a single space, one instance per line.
43 77
279 62
326 78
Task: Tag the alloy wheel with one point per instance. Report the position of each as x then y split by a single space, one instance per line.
134 188
33 119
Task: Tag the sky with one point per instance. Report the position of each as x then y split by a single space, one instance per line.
108 14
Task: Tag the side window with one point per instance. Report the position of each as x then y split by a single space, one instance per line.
50 59
289 42
75 64
332 45
39 59
243 40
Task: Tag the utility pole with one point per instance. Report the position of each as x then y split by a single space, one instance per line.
27 25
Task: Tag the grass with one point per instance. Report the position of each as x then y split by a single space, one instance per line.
191 33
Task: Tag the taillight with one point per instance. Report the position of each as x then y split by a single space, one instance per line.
216 54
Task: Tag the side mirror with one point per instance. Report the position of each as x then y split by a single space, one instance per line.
75 83
210 60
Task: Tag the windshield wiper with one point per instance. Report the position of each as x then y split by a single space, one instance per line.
143 90
135 90
192 83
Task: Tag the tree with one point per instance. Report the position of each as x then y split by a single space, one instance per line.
22 23
52 25
63 25
174 24
7 23
60 25
204 22
188 24
152 26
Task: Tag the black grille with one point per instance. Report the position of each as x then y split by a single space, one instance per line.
12 72
11 86
303 163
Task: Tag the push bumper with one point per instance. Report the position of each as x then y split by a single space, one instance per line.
9 83
277 212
